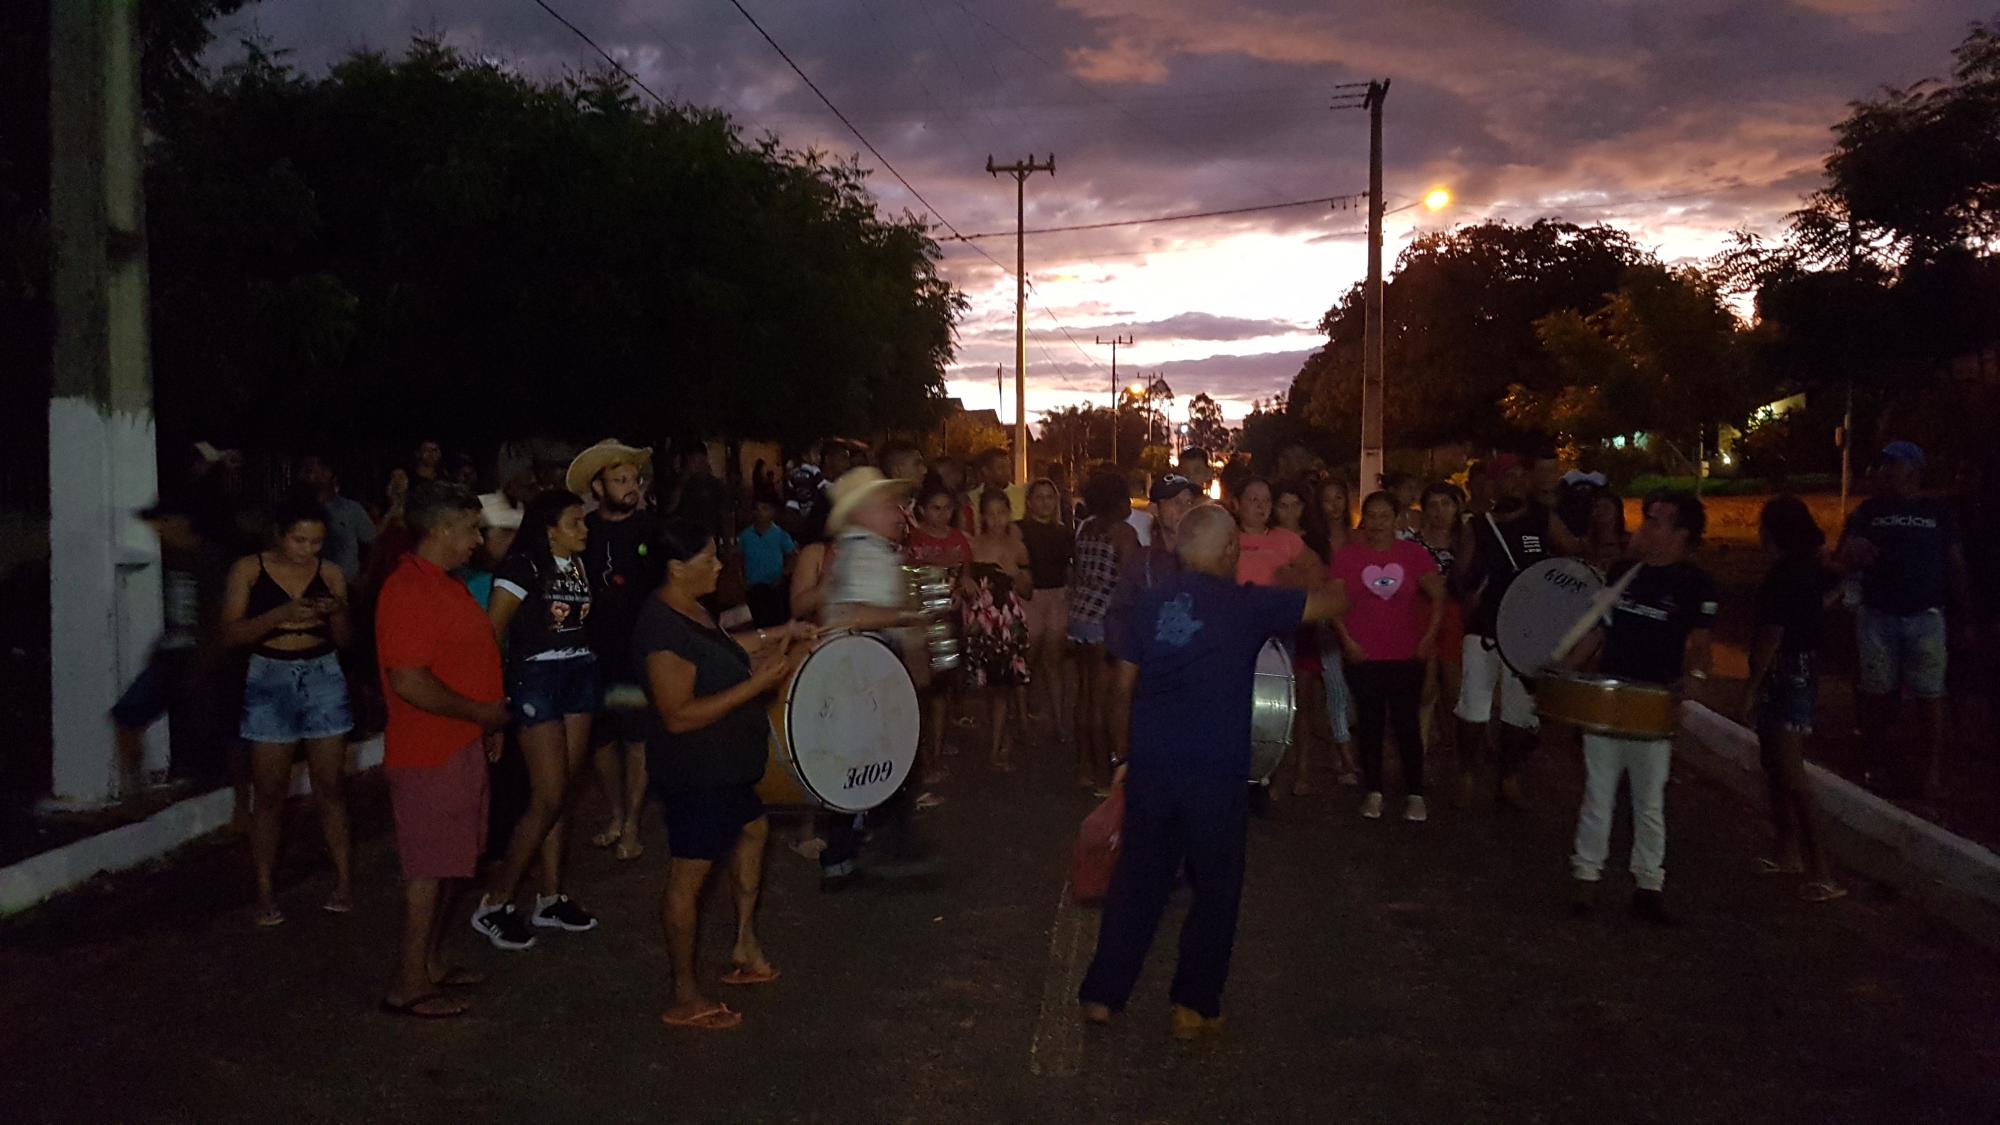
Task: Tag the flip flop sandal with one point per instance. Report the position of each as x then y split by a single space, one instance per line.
413 1008
270 918
1824 890
718 1018
606 839
456 977
742 975
337 904
1765 865
628 850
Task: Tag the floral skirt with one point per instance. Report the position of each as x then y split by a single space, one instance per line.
996 632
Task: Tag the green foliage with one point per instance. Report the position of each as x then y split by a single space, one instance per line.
1460 311
435 244
1640 486
1205 426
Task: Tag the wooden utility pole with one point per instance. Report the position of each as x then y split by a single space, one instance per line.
1116 342
105 598
1021 171
1372 383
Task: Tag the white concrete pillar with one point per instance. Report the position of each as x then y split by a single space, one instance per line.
104 585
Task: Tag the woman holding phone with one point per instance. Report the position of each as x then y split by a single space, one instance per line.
290 611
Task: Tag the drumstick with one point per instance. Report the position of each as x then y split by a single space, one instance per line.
1603 601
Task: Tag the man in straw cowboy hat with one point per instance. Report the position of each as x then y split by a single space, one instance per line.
867 590
624 569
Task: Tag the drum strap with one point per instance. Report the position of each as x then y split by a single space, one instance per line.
1502 540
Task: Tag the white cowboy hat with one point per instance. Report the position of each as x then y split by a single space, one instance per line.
854 487
496 511
600 457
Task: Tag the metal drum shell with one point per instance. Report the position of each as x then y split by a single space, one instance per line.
784 784
1273 705
1607 705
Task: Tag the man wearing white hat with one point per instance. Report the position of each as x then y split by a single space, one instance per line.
624 570
867 590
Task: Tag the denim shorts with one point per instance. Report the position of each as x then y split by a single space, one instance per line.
1900 652
1085 632
1789 694
543 691
295 700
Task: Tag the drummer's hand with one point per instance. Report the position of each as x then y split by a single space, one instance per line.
774 663
804 632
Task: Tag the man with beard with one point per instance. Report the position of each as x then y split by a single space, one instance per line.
624 571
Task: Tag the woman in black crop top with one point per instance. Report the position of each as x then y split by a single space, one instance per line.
291 613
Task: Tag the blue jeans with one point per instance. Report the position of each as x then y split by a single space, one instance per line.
294 700
1789 693
1339 698
1900 652
544 691
1170 820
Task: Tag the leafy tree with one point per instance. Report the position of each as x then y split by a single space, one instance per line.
434 244
1460 311
1205 425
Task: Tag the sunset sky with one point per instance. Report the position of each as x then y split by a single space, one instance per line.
1679 121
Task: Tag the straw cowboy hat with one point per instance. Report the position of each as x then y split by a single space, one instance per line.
855 487
600 457
495 510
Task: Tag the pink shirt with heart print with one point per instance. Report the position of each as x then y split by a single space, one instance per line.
1386 612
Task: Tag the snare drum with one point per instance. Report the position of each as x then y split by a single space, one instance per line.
931 589
1539 607
843 728
1272 704
1607 705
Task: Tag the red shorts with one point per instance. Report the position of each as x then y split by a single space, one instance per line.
441 815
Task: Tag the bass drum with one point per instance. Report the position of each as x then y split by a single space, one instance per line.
843 728
1273 702
1539 607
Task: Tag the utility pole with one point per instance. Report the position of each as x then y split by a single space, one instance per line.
999 389
1372 383
105 599
1116 390
1021 171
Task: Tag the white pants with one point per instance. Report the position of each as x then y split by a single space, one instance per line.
1483 672
1605 760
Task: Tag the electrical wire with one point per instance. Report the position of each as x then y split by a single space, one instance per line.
1170 218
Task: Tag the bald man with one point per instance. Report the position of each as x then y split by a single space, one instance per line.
1186 655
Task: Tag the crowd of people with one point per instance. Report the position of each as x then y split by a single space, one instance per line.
605 612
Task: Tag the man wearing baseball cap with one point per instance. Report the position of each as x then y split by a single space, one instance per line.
1907 551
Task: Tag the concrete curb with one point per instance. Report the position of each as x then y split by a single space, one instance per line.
1956 878
40 877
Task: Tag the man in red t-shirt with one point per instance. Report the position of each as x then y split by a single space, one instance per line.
441 677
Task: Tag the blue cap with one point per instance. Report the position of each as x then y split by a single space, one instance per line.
1908 451
1169 486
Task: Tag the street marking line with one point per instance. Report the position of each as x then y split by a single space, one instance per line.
1056 1050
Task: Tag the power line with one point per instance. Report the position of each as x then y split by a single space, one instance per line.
1171 218
606 55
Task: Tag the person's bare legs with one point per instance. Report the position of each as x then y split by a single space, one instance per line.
1772 752
996 716
543 747
678 912
417 953
1088 772
635 799
746 875
576 740
271 778
609 762
326 761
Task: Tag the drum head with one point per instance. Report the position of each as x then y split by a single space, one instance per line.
1272 705
851 719
1541 605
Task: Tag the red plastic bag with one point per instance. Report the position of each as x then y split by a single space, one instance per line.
1097 850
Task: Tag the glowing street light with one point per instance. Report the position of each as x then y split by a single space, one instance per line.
1438 199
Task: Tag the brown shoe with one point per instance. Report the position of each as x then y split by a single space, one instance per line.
1190 1025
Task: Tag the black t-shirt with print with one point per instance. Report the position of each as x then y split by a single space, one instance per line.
730 751
1913 540
1522 540
1646 637
1793 598
555 603
623 563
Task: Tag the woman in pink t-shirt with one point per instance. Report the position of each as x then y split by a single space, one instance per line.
1396 603
1268 551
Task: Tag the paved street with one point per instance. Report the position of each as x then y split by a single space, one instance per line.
1385 972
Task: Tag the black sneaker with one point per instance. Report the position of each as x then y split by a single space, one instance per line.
503 926
1652 907
560 912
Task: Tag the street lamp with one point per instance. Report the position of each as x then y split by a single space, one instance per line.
1437 199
